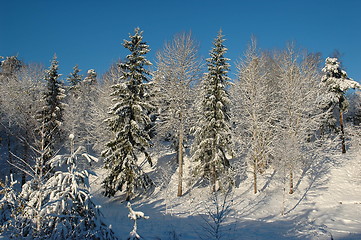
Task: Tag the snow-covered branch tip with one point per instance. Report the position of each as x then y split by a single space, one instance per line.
134 215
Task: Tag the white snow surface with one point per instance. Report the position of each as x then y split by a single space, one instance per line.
326 205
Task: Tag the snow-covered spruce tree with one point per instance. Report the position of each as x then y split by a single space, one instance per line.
74 78
91 77
212 144
129 117
9 67
50 117
337 83
254 110
178 69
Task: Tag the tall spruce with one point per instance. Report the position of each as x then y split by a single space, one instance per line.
51 116
129 118
213 135
337 83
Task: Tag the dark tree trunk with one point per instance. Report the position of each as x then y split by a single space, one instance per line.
213 177
255 190
342 133
291 182
10 158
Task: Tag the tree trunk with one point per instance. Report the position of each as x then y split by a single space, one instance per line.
255 190
10 159
127 198
26 157
291 182
284 191
213 177
180 161
342 133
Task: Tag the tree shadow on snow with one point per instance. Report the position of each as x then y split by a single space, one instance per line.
164 169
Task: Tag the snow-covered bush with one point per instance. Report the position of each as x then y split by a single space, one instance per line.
59 206
8 203
134 215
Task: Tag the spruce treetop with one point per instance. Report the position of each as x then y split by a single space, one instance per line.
217 63
134 67
337 81
55 90
336 78
74 78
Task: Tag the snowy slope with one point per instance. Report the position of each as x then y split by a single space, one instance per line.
325 205
338 208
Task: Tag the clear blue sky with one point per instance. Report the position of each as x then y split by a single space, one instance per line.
90 33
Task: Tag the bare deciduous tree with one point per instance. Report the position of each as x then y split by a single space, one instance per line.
178 69
254 99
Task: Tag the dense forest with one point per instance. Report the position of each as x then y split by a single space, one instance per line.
285 111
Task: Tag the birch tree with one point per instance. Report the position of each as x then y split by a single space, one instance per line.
254 98
79 114
178 69
9 67
299 112
20 101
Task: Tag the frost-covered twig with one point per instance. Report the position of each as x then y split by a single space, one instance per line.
134 215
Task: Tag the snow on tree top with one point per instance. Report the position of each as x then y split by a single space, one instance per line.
336 78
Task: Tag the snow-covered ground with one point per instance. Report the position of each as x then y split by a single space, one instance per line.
326 205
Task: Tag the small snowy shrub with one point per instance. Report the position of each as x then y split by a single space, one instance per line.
134 215
59 206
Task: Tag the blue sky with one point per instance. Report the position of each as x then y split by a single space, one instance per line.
90 33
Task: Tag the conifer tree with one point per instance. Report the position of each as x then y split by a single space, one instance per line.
74 78
337 83
8 203
213 135
91 77
129 117
9 67
51 116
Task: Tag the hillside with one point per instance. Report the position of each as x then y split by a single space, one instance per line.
326 205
